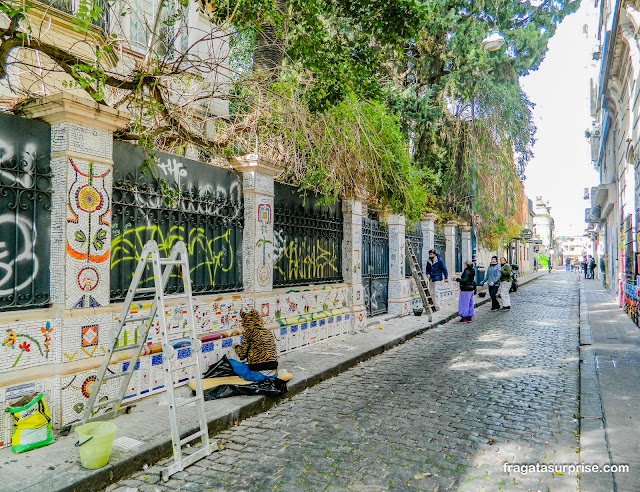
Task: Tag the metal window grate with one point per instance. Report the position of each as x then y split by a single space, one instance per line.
308 239
25 213
415 239
198 204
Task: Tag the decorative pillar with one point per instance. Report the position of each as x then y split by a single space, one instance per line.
428 229
399 292
466 242
81 162
352 213
450 241
258 239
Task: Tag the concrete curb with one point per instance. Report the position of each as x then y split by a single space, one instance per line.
103 477
594 448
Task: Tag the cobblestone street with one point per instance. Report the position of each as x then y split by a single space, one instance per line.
444 411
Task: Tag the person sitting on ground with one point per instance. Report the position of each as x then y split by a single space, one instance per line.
258 347
467 288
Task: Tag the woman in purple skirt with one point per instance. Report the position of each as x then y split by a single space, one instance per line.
467 288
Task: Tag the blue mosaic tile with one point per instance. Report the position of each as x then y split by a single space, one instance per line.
156 360
294 328
184 352
207 347
304 326
125 366
227 342
283 331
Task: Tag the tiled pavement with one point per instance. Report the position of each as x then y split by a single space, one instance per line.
445 411
611 425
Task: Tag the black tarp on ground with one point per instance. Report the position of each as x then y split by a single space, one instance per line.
271 387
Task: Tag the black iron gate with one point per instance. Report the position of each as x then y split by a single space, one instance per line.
375 266
414 238
439 243
458 242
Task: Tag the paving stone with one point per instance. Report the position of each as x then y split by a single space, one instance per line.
452 405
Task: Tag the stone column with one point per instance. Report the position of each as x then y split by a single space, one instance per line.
81 162
428 229
399 292
258 239
450 241
466 242
352 213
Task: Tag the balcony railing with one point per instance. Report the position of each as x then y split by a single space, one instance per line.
71 6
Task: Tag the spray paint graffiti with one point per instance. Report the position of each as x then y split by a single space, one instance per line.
209 256
25 212
307 261
18 265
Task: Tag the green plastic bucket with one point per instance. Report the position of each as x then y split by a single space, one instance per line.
95 441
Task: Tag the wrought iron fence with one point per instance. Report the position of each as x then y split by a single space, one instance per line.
458 249
25 212
187 201
307 239
439 243
415 239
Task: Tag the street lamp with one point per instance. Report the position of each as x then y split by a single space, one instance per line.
494 41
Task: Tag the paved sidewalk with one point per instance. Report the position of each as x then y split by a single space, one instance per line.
610 391
57 467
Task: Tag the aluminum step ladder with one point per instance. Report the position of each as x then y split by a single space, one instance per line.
423 287
162 269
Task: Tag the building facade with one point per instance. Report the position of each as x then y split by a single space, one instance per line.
612 217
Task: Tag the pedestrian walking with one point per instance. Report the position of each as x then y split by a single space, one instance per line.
492 279
505 284
549 263
567 265
436 274
467 289
584 266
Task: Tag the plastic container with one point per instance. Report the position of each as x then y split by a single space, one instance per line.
95 442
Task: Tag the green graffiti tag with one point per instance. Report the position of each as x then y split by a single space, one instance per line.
207 255
306 262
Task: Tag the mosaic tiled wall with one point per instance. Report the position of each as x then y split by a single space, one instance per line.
88 236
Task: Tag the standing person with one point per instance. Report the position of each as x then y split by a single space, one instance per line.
549 263
505 284
436 274
592 266
467 288
493 279
567 265
583 264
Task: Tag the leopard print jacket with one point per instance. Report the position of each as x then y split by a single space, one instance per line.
258 343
